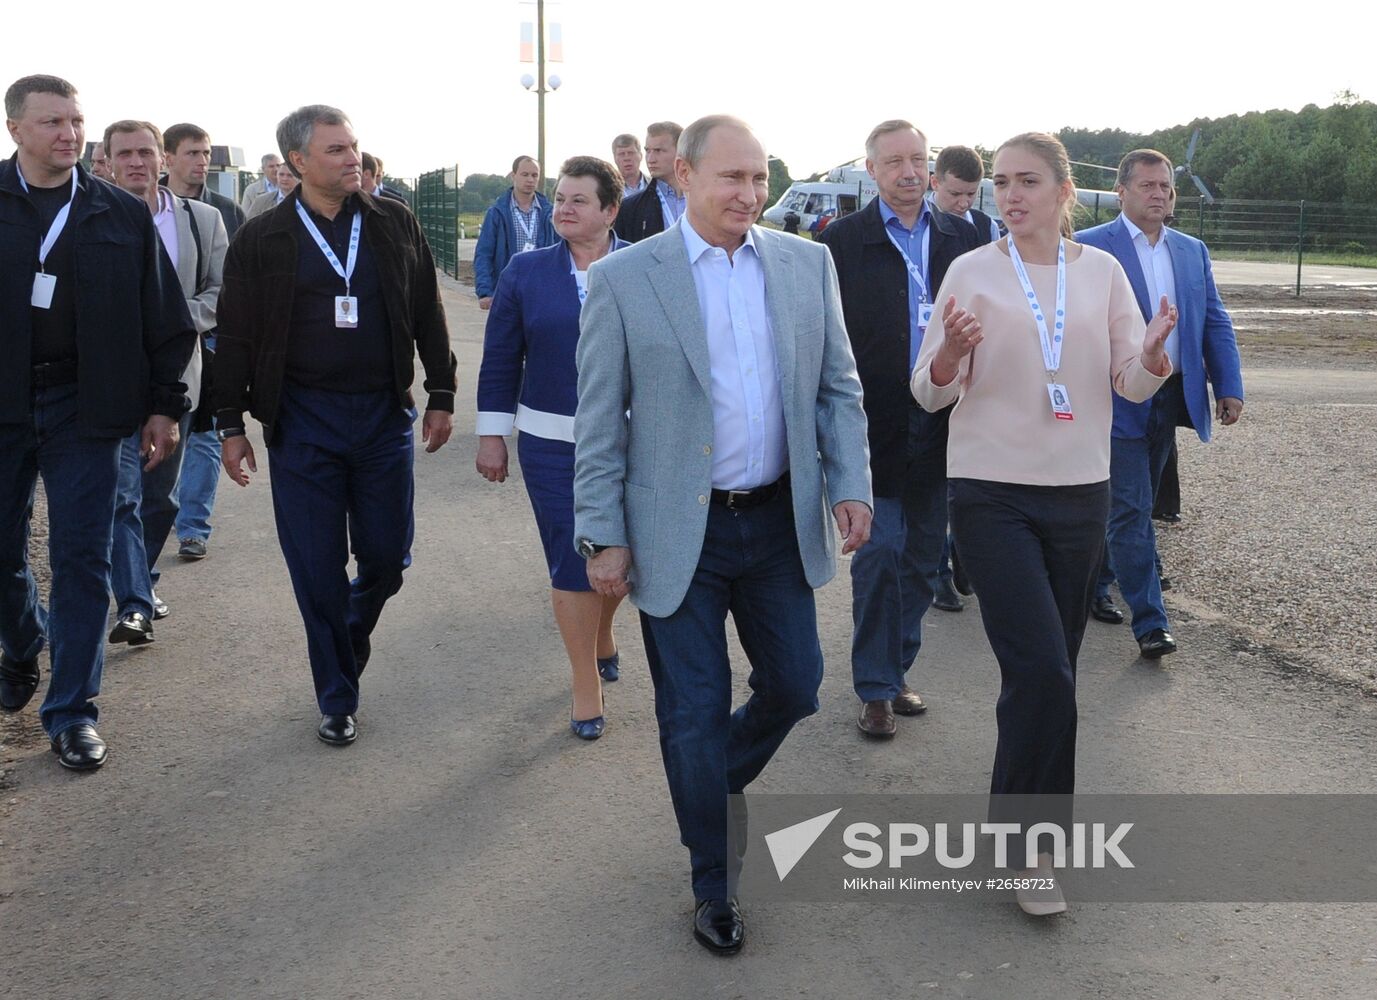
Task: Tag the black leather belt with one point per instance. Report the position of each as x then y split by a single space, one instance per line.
746 499
53 373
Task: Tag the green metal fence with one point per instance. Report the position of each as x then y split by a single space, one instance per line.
436 202
1281 231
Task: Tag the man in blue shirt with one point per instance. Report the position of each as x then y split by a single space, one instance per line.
519 220
891 258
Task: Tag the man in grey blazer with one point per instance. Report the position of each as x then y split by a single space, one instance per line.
719 420
193 234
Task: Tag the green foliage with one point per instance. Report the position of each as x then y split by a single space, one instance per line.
1318 154
779 180
481 190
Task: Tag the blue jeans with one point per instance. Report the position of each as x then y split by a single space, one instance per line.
79 476
145 507
196 490
749 567
1135 466
894 575
342 479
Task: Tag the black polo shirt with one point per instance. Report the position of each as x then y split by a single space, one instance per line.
319 354
53 330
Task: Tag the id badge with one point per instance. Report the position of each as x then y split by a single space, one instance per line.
924 315
43 287
347 312
1061 401
527 246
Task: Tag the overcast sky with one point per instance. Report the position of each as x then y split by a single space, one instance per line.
428 88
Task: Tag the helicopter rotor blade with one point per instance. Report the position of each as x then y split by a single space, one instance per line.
1190 148
1204 191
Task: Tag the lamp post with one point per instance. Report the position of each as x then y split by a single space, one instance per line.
540 83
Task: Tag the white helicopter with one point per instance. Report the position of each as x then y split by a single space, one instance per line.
848 188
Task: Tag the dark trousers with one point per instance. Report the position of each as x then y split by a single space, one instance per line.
342 480
79 475
750 568
1166 497
893 576
1031 553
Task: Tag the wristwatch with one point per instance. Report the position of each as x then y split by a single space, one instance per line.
225 433
588 550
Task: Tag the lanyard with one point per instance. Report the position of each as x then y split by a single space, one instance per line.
671 211
914 271
525 221
347 271
1051 346
59 221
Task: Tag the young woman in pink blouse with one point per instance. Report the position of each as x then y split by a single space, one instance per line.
1037 332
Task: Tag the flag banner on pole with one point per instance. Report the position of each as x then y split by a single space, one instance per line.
556 51
527 42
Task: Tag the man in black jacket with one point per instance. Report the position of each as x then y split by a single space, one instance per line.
658 205
95 337
326 302
891 258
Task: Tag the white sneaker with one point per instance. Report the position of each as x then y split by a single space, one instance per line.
1043 898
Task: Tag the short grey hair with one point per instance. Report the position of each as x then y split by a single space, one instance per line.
693 141
884 128
263 160
294 131
19 91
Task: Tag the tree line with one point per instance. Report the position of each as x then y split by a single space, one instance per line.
1316 154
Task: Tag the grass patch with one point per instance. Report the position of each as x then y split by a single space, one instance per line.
1317 257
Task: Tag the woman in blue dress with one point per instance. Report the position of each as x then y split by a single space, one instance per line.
528 382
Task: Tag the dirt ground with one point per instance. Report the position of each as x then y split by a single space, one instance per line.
1327 327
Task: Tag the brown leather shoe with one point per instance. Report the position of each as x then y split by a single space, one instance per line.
877 719
909 702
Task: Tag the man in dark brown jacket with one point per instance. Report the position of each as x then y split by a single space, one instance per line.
327 300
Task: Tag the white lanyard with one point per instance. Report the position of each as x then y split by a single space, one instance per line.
1051 345
526 221
59 221
914 271
346 272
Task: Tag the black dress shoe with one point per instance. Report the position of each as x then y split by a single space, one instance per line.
18 682
160 609
1164 583
337 730
1102 609
1167 518
945 598
132 628
718 926
1156 644
959 579
908 702
80 748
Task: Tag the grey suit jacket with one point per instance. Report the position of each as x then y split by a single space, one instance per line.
202 290
643 429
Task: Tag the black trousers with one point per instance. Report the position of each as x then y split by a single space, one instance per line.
1032 553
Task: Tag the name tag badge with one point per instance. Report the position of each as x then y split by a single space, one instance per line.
347 312
528 245
925 315
43 287
1061 401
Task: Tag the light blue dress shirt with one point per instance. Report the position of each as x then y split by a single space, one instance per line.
1160 276
915 243
671 205
749 447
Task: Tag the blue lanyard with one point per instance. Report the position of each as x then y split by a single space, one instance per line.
1051 346
346 272
59 221
914 271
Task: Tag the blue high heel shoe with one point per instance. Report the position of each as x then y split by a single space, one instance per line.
609 669
588 729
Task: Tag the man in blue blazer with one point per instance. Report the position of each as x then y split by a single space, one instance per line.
1160 262
719 428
